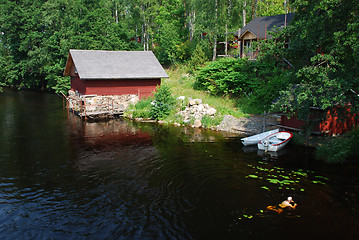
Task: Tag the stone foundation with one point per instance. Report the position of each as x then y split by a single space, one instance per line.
98 106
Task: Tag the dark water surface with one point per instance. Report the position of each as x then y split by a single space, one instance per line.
61 178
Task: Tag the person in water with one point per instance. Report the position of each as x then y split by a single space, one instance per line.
286 204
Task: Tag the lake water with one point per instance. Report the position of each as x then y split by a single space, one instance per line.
62 178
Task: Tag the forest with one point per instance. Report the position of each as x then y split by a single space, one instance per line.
37 35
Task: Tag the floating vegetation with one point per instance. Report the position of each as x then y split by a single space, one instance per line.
281 179
244 216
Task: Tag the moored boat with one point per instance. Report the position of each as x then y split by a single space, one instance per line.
275 141
256 138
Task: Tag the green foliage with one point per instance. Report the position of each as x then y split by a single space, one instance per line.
258 81
163 102
324 51
37 35
199 56
336 150
263 97
182 85
276 178
208 121
317 87
270 7
142 108
227 76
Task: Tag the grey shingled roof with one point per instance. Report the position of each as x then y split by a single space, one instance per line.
97 64
258 25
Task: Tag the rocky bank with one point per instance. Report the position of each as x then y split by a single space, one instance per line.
94 107
247 125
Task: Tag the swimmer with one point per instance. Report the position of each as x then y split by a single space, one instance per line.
286 204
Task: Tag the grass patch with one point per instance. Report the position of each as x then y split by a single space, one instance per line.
247 106
208 121
182 83
141 109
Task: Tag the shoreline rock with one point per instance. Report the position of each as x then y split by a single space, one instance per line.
247 126
95 106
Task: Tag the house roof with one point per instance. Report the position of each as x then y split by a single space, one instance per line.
97 64
261 26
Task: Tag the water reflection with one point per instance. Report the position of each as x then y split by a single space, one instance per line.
63 178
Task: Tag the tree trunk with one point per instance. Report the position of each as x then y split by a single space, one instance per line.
244 13
192 19
215 31
226 43
214 48
116 12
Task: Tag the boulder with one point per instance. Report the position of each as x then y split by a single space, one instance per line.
211 111
198 101
197 123
193 102
181 98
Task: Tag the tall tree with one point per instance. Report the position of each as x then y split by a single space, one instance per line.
38 35
324 49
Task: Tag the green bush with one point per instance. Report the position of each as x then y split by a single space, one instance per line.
263 97
142 108
236 77
256 83
208 121
337 150
163 102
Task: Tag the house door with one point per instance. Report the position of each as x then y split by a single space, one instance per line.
248 49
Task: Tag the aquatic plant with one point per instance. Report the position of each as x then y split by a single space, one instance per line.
279 178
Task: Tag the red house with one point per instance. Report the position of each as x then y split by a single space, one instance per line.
95 72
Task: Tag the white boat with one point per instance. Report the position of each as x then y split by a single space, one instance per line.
256 138
275 141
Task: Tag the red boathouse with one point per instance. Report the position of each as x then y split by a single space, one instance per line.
96 72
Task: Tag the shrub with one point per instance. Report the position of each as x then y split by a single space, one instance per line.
234 77
142 108
336 150
163 102
208 121
256 83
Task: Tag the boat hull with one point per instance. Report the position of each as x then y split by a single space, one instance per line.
275 141
252 140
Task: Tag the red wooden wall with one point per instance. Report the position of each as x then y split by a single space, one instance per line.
332 123
339 125
78 85
141 87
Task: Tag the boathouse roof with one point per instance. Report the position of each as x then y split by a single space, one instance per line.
260 26
98 64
